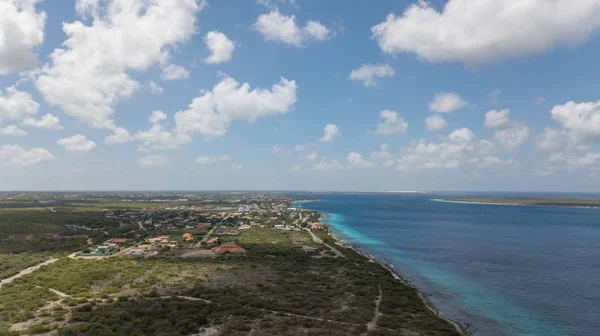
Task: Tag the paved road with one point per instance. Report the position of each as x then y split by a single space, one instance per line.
205 239
27 271
320 241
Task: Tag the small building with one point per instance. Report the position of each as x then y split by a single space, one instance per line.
187 237
316 226
119 241
244 227
283 227
228 248
145 247
135 252
214 240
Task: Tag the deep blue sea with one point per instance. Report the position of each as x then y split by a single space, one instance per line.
506 270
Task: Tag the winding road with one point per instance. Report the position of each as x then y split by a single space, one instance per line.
27 271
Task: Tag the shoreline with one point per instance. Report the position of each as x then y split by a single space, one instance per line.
441 200
459 326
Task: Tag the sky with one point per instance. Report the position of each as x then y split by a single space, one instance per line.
456 95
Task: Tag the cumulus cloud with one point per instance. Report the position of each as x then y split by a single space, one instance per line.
157 116
88 74
331 132
355 160
119 135
17 105
496 118
384 155
458 150
47 121
295 168
153 160
435 123
276 150
220 46
277 27
236 166
299 148
21 31
392 123
155 89
18 156
203 160
581 120
512 136
77 144
12 130
552 140
211 114
158 138
508 134
174 72
324 164
368 73
312 156
475 32
446 102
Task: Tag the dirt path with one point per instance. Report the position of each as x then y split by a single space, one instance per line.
309 317
205 239
27 271
61 294
373 324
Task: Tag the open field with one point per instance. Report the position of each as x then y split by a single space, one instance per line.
568 202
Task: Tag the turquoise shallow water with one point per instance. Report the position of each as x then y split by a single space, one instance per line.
510 270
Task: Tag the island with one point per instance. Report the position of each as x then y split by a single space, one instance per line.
563 202
193 264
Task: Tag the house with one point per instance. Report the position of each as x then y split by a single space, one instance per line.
187 237
308 249
203 226
119 241
316 226
145 247
244 227
228 248
214 240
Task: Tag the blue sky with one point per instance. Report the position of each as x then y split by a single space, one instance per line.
501 82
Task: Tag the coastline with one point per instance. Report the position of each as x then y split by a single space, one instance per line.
441 200
460 327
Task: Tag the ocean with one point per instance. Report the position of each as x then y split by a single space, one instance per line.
504 270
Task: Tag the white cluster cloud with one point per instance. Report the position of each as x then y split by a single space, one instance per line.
475 32
355 160
155 89
203 160
153 160
275 26
569 147
331 132
20 106
88 75
435 123
220 46
21 31
508 134
174 72
48 121
324 164
211 114
18 156
368 73
446 102
12 130
458 150
581 120
77 144
392 123
384 155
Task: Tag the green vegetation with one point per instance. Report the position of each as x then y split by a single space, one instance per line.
273 289
11 264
